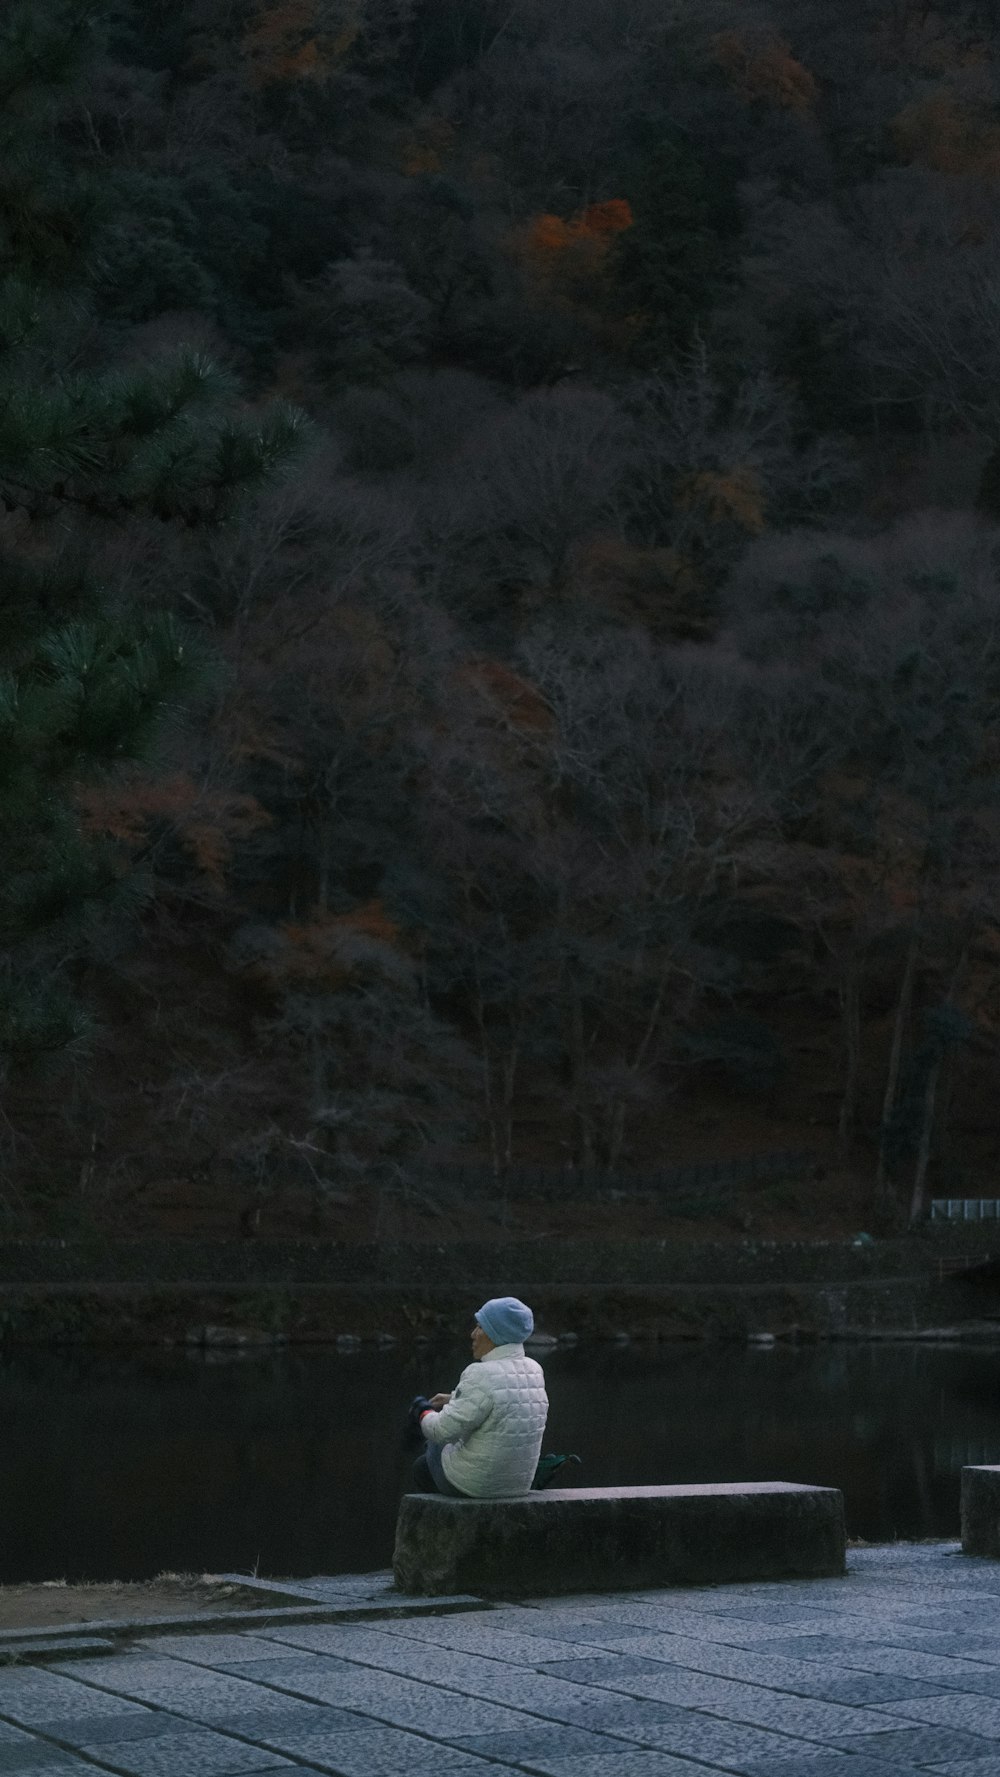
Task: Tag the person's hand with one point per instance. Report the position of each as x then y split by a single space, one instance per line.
439 1400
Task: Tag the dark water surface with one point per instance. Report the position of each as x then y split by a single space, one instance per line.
121 1466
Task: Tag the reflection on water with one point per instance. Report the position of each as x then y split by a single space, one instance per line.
123 1465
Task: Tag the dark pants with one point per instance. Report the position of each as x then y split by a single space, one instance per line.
429 1475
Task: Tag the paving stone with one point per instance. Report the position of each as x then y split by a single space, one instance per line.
332 1587
195 1754
831 1765
49 1768
449 1718
345 1642
299 1718
538 1693
863 1689
83 1730
336 1585
921 1746
468 1768
506 1616
485 1678
874 1676
976 1646
543 1740
110 1672
625 1717
897 1554
445 1666
812 1601
733 1747
730 1631
619 1764
374 1751
282 1672
978 1715
472 1672
30 1696
221 1715
983 1681
31 1755
945 1670
402 1702
828 1647
209 1650
347 1687
736 1701
514 1648
76 1647
182 1689
181 1698
565 1627
775 1673
590 1635
602 1669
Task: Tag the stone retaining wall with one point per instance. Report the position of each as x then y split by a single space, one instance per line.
455 1264
179 1313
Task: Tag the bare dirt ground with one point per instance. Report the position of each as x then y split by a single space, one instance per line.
53 1602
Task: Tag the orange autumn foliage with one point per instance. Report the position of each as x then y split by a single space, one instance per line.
206 823
325 949
596 225
255 739
734 495
566 261
428 148
766 71
921 39
658 587
611 217
519 702
950 134
296 40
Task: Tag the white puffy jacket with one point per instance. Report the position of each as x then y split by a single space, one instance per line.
493 1425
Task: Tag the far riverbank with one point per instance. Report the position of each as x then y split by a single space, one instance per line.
196 1291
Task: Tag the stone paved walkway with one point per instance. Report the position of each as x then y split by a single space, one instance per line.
892 1670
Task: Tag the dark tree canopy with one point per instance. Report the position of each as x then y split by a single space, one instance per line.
593 759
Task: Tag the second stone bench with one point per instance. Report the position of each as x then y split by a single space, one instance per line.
604 1539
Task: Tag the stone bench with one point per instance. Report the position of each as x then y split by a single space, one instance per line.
608 1539
981 1511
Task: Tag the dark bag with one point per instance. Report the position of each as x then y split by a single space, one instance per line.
547 1470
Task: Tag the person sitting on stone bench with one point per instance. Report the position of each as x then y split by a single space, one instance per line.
484 1439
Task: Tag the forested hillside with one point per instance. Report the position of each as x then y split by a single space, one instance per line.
500 539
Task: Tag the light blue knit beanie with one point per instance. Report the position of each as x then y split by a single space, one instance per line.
505 1320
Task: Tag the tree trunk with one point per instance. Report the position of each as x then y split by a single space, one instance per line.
619 1110
581 1112
924 1151
506 1129
616 1140
923 1490
487 1059
917 1202
850 1000
946 1091
511 1060
882 1191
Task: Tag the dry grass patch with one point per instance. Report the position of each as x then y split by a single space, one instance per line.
52 1603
